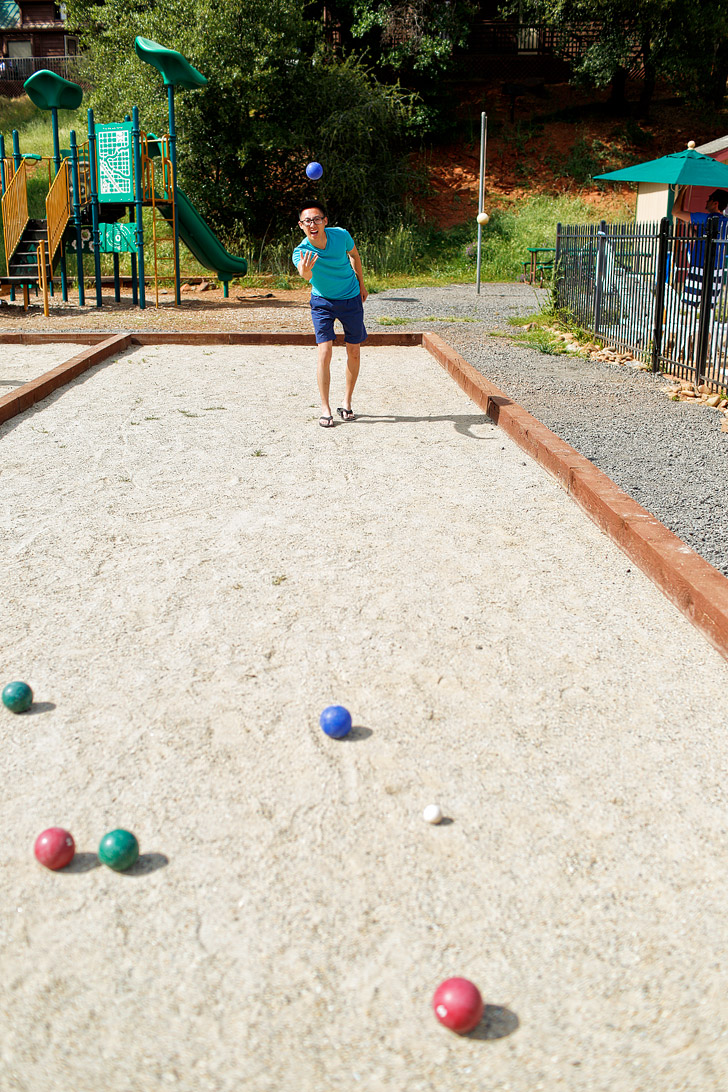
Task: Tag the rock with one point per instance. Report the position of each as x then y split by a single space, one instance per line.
187 288
204 286
714 400
724 425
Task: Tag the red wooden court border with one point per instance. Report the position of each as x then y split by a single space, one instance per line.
695 587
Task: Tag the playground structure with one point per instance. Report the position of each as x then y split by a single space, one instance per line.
96 196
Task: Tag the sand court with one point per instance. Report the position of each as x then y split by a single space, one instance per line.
192 570
21 363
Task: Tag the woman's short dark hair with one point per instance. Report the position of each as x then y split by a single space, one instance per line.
312 205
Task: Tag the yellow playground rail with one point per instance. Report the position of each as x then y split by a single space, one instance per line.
43 276
15 211
58 208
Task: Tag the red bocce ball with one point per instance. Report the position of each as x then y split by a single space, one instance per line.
54 848
458 1005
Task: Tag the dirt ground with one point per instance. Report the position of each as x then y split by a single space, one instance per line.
245 309
534 153
192 570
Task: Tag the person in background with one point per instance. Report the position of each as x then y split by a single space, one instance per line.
714 210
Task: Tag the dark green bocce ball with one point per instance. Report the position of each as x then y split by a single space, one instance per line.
17 697
119 850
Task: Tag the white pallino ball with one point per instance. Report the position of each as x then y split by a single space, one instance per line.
482 218
432 813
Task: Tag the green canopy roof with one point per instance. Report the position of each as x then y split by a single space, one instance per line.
48 91
175 70
688 168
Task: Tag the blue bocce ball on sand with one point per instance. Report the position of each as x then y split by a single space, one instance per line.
336 721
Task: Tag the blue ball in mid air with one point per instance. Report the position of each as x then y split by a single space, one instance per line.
314 171
336 721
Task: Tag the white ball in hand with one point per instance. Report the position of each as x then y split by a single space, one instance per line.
483 218
432 813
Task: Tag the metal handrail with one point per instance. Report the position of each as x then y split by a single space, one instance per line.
15 211
58 208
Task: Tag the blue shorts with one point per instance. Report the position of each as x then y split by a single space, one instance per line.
350 314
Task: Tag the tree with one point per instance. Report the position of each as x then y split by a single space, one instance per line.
412 38
271 104
673 39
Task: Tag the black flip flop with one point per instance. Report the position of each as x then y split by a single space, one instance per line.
326 422
345 414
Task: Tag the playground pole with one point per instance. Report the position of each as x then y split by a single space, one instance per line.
76 191
481 190
17 160
134 284
94 205
138 197
133 257
57 162
3 187
173 157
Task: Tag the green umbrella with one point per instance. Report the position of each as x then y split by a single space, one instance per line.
688 168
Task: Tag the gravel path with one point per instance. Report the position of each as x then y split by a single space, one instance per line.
671 457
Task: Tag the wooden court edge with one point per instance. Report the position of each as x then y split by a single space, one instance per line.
695 587
25 396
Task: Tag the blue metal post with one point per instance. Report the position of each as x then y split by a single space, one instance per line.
173 158
132 256
134 275
57 162
76 192
94 205
3 187
139 205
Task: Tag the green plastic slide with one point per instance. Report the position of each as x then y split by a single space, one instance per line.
202 242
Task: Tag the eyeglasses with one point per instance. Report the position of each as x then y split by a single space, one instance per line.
313 220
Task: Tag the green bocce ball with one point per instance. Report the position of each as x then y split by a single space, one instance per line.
17 697
119 850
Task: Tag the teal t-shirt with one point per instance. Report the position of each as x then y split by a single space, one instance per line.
332 275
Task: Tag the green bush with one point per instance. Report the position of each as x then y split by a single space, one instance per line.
272 104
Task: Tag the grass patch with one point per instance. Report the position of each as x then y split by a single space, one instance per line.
385 321
544 331
543 340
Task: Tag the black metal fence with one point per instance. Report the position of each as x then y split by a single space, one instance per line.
658 290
